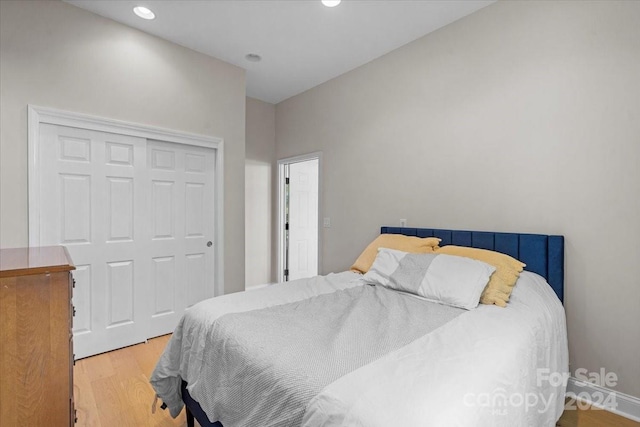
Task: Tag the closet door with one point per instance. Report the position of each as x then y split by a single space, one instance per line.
137 217
94 202
182 227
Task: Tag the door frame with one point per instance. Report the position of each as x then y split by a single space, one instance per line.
317 155
42 115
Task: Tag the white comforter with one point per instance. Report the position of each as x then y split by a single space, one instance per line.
487 367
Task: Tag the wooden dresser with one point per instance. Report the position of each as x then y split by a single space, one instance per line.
36 346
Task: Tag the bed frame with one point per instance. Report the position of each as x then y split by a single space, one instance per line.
541 253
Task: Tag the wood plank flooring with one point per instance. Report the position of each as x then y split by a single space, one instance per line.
594 418
112 390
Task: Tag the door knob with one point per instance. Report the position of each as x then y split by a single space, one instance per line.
209 243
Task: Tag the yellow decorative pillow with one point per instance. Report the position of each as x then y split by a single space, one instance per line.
502 280
399 242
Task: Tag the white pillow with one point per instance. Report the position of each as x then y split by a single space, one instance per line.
446 279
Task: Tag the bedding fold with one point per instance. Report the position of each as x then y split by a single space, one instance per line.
183 357
263 366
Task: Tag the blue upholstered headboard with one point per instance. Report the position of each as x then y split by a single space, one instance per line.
543 254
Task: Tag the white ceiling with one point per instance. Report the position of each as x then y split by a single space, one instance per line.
302 42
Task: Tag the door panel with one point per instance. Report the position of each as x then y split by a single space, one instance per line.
120 220
163 276
92 202
183 221
303 219
120 296
196 275
76 208
82 298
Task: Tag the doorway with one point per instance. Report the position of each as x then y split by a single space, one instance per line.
298 217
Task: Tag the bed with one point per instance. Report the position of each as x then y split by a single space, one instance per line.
265 358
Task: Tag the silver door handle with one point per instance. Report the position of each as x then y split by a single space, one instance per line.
209 243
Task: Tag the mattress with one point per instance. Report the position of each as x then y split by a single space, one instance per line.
487 366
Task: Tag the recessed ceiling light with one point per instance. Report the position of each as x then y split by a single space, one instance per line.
144 12
253 57
331 3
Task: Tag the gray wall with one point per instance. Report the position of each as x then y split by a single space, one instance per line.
524 116
56 55
260 186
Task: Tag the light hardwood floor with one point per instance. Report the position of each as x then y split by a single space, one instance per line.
112 390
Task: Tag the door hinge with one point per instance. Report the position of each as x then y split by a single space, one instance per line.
286 226
286 273
286 180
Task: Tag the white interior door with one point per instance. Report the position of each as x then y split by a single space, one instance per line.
303 219
182 227
93 202
136 217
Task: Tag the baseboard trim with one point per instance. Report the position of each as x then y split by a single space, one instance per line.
623 404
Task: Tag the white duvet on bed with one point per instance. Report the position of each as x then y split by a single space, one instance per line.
486 367
490 367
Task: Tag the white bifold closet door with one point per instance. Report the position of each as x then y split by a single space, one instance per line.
136 216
